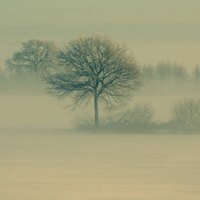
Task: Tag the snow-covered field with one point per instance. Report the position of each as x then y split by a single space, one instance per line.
38 162
43 165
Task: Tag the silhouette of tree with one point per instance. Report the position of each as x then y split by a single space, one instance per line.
148 73
179 73
164 71
196 74
95 67
187 112
34 58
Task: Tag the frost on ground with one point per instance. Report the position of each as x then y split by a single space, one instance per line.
48 166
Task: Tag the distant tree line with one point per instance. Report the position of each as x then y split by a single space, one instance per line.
169 72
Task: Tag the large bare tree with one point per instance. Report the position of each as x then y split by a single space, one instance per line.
95 67
34 57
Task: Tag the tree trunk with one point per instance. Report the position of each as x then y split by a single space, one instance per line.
96 111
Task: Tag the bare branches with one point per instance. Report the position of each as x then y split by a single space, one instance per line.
35 57
95 67
65 84
196 74
187 112
109 70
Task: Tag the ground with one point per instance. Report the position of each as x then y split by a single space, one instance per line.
49 165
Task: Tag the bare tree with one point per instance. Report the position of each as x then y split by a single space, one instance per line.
196 74
179 73
148 73
187 112
164 71
34 57
95 67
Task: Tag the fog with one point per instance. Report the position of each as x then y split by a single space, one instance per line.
149 42
44 112
25 103
147 149
42 157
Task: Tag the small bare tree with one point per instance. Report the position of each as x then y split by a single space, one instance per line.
187 112
164 71
148 73
179 73
95 67
34 57
137 115
196 74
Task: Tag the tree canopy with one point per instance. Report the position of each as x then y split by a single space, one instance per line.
95 67
34 57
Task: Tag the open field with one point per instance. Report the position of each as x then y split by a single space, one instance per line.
47 165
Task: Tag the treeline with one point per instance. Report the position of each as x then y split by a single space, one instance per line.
163 78
170 72
167 78
26 67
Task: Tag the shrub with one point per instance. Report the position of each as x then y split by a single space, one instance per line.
139 117
187 113
139 114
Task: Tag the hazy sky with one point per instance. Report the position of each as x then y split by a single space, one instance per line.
156 30
32 12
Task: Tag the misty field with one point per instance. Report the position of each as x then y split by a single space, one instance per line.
41 160
46 165
44 112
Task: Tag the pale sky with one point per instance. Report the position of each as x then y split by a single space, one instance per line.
156 30
34 12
